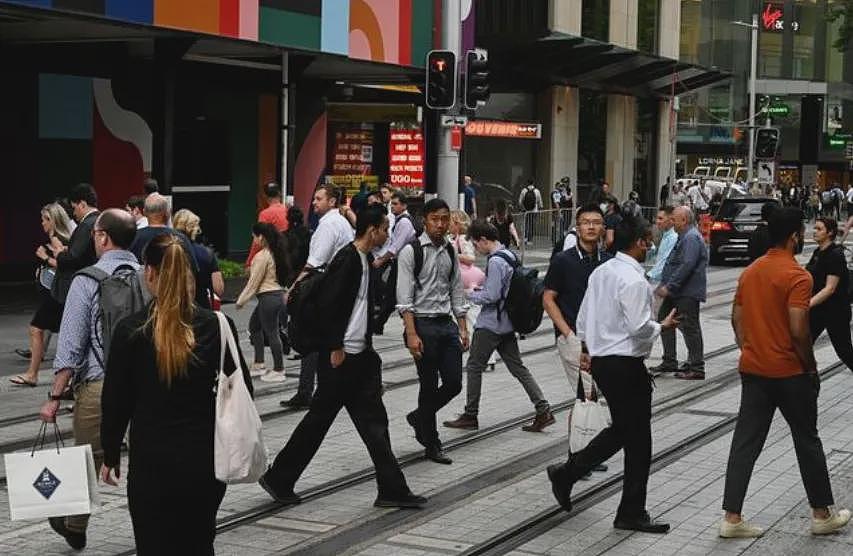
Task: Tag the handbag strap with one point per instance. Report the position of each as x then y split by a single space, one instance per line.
224 330
41 437
230 343
581 392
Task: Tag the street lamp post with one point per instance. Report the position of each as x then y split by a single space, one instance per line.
753 70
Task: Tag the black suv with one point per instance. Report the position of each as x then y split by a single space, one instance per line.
737 218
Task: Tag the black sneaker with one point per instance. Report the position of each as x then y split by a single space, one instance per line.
25 353
289 498
560 488
408 500
77 541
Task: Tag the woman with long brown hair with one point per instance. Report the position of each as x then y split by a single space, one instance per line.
161 377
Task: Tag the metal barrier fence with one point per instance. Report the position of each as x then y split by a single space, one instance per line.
539 230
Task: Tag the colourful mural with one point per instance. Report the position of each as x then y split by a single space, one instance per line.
390 31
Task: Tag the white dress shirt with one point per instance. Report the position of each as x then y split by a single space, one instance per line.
333 233
615 317
355 337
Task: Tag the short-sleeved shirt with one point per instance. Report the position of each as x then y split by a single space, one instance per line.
766 289
568 275
826 262
470 194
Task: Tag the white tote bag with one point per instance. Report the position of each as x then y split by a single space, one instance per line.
239 454
50 483
588 418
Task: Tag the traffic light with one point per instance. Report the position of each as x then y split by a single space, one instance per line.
476 78
766 143
441 79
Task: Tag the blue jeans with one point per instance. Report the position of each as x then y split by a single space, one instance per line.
442 358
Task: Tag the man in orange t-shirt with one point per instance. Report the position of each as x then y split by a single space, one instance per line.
770 318
275 214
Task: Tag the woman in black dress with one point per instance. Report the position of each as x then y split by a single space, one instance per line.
829 307
161 377
58 227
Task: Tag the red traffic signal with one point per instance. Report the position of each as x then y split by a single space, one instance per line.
441 79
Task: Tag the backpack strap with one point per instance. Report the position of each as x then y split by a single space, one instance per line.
452 254
418 253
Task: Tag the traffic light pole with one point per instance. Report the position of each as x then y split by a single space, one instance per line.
753 69
447 185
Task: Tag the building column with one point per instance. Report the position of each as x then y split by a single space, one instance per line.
621 110
669 33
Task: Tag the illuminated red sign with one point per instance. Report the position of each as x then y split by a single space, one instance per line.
511 130
406 158
771 18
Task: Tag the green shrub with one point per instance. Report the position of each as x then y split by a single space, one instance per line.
230 269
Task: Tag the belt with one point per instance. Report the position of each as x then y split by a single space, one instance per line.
434 317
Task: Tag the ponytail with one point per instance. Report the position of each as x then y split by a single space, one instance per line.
171 316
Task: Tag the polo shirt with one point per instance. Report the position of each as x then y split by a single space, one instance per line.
568 275
765 291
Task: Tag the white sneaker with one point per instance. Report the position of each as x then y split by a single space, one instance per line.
833 523
739 530
273 376
258 369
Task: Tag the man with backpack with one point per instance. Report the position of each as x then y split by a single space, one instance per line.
530 200
429 296
494 330
84 336
350 372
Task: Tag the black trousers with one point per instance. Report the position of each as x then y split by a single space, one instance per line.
836 321
626 384
442 358
691 329
357 386
796 397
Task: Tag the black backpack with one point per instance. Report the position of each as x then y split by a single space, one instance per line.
120 294
303 329
558 245
529 199
417 224
523 301
386 302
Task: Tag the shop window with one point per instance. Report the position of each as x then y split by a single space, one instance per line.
592 137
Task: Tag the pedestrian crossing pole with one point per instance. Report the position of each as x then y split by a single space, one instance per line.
448 157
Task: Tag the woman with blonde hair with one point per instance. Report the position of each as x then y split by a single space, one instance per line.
161 377
209 276
58 227
472 276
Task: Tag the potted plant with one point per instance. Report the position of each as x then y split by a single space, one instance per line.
235 279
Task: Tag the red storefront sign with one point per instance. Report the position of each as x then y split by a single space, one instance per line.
496 128
406 158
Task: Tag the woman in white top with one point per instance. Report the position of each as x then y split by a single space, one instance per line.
268 272
472 276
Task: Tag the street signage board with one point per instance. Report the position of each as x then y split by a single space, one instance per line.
509 130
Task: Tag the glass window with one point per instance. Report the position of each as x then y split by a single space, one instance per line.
834 58
772 29
647 25
691 30
592 137
595 19
807 20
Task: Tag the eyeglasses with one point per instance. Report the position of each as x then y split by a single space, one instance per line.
590 222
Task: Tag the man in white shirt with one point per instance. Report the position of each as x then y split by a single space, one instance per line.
615 323
332 234
698 197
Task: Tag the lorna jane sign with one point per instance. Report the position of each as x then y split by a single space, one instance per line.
771 18
406 158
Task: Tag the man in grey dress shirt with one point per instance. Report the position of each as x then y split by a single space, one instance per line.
80 356
428 301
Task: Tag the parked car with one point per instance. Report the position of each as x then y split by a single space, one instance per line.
731 227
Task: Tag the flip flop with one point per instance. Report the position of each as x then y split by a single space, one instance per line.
19 380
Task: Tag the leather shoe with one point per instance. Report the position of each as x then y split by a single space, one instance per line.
289 498
540 422
642 523
690 375
663 368
297 402
560 488
436 454
75 540
412 419
407 500
464 421
600 468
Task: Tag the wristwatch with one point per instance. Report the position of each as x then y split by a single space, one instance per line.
53 397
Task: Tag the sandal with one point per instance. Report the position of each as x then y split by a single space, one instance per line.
20 380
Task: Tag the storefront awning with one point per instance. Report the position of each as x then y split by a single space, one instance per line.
562 59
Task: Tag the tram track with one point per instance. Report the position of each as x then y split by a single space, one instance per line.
546 520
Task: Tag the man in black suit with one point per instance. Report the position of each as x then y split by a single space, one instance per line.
348 373
81 248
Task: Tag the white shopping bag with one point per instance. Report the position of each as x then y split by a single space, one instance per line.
50 483
589 417
239 454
